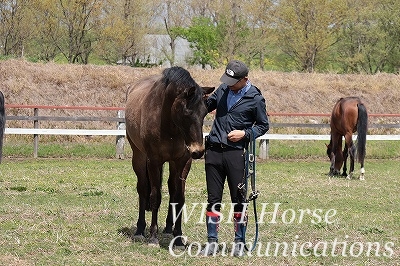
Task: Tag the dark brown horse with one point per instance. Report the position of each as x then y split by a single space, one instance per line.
348 116
2 123
164 119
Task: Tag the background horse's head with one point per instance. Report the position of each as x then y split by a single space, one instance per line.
188 108
338 162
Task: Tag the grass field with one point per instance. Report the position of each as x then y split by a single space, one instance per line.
72 211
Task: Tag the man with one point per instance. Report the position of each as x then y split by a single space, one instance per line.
240 109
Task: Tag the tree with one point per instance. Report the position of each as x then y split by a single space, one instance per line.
124 25
308 29
262 35
46 29
371 37
202 35
14 29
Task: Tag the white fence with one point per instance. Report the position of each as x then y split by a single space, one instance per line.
120 131
263 140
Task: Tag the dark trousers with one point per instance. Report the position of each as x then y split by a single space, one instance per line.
224 164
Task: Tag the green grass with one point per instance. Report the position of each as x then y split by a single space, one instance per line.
70 211
104 147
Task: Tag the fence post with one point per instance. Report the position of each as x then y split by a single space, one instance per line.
120 141
35 136
263 149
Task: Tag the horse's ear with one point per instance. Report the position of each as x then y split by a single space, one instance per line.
207 91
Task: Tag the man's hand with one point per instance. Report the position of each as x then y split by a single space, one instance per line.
236 135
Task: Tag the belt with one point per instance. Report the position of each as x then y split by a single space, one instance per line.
221 146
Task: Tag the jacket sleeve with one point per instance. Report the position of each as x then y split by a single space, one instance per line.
261 125
211 102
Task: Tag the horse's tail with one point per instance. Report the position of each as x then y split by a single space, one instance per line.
2 123
362 126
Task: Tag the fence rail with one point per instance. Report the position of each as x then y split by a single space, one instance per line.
120 125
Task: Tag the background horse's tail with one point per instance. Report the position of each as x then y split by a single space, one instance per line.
362 126
2 123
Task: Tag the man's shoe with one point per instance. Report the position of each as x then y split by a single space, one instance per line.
211 249
239 249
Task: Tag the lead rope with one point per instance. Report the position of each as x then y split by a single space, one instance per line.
250 172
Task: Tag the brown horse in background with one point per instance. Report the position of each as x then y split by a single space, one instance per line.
164 119
2 123
348 116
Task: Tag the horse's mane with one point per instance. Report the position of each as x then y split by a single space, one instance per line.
182 79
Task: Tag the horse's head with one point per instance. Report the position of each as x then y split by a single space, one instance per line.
188 109
329 150
188 112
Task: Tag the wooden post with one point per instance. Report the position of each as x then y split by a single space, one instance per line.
263 149
120 141
35 136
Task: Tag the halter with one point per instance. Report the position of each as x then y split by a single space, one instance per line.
250 172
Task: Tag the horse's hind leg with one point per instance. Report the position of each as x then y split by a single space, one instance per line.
352 150
345 155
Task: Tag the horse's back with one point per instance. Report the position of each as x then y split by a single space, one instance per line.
345 115
137 108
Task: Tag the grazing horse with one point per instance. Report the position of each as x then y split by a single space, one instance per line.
348 116
2 123
164 118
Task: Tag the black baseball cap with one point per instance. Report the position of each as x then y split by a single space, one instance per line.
235 71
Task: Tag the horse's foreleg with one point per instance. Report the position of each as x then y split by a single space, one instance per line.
332 171
177 181
169 221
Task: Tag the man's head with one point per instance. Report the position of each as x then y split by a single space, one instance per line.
234 72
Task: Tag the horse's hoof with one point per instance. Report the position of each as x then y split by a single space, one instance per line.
180 248
167 231
178 242
138 238
153 242
362 178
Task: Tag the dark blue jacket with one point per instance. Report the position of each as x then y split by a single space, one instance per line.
249 111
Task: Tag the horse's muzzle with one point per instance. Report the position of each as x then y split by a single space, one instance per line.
196 151
197 154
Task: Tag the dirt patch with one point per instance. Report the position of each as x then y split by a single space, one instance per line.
23 82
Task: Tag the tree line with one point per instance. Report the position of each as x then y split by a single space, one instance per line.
358 36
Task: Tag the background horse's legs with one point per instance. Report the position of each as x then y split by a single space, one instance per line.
336 154
345 155
154 170
352 151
